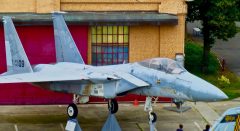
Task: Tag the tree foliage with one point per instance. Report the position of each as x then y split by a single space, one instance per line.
218 20
193 57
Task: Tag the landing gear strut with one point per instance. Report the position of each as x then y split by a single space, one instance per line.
72 109
152 117
179 106
72 123
178 103
113 106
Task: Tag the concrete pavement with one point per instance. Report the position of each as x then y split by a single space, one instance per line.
92 117
230 51
209 114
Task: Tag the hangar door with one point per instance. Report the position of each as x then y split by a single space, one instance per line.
110 45
38 42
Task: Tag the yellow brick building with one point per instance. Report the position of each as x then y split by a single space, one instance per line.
105 31
146 40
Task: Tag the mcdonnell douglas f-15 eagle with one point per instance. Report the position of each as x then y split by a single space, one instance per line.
152 77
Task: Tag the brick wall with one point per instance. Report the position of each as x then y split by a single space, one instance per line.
145 40
48 6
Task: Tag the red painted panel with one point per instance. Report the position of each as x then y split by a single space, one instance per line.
38 42
128 98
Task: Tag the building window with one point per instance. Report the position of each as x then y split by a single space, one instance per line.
110 45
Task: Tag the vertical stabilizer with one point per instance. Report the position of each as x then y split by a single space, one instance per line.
66 49
17 61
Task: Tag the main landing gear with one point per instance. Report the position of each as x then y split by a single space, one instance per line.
111 123
113 106
72 123
72 111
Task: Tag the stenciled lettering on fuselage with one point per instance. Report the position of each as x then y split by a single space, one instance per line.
18 63
97 90
230 118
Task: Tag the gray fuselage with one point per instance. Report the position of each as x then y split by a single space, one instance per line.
184 85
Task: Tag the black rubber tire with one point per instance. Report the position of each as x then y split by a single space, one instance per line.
113 106
72 111
154 117
178 104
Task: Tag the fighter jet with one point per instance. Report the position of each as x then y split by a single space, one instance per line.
151 77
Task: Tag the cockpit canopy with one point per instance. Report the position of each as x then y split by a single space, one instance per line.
163 64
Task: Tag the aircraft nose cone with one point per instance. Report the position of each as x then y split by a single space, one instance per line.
201 90
215 93
207 91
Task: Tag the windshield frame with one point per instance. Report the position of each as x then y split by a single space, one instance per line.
166 65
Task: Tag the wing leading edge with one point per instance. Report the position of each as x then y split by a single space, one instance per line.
41 77
126 81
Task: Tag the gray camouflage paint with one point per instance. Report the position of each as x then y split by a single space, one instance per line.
105 81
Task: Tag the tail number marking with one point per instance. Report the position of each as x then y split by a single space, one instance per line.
18 63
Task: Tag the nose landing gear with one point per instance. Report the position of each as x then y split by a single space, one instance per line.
179 106
152 117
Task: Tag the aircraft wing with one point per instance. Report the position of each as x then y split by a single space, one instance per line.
40 77
112 83
57 75
129 82
132 79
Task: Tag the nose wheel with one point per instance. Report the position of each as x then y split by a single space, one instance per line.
72 111
113 106
178 103
152 117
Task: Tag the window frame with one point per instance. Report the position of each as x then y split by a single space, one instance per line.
115 51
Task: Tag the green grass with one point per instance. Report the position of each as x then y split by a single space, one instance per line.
193 57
